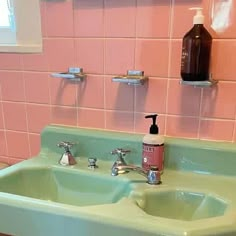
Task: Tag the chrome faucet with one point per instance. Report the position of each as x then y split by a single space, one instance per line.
67 158
153 175
120 161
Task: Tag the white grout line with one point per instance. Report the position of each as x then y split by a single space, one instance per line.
75 62
104 68
4 124
200 113
26 114
169 61
234 130
135 52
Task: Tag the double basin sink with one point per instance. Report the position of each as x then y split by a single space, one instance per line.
86 188
43 198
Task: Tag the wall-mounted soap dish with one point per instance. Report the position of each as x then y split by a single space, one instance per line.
73 74
203 84
133 77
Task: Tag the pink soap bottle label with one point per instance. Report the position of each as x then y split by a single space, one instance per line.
153 155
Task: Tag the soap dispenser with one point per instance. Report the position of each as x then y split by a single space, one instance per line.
153 147
196 50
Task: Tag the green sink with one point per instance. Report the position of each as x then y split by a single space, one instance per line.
65 186
181 205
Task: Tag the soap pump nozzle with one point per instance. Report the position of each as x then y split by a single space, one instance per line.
153 128
199 17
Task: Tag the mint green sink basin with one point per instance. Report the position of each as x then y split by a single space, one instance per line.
181 205
65 186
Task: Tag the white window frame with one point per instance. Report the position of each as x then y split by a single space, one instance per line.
8 34
28 28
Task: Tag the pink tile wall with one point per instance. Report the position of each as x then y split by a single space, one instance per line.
108 37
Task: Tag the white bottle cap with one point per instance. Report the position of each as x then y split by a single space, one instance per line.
199 17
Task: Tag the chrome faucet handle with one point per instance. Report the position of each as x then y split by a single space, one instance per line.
154 175
66 145
66 158
120 152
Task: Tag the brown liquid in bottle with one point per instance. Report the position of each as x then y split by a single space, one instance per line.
196 51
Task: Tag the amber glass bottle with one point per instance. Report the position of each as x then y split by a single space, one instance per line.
196 51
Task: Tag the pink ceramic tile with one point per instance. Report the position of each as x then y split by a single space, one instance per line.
183 100
175 58
118 96
150 19
10 61
183 17
91 92
38 117
39 61
64 115
142 125
2 125
186 127
18 144
12 86
3 147
13 161
88 18
216 129
5 160
59 15
15 116
152 57
119 55
223 59
222 19
120 121
153 18
37 87
234 136
43 5
63 92
151 97
90 55
61 54
35 143
218 101
120 18
91 118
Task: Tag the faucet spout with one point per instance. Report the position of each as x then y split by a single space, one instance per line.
137 169
153 174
